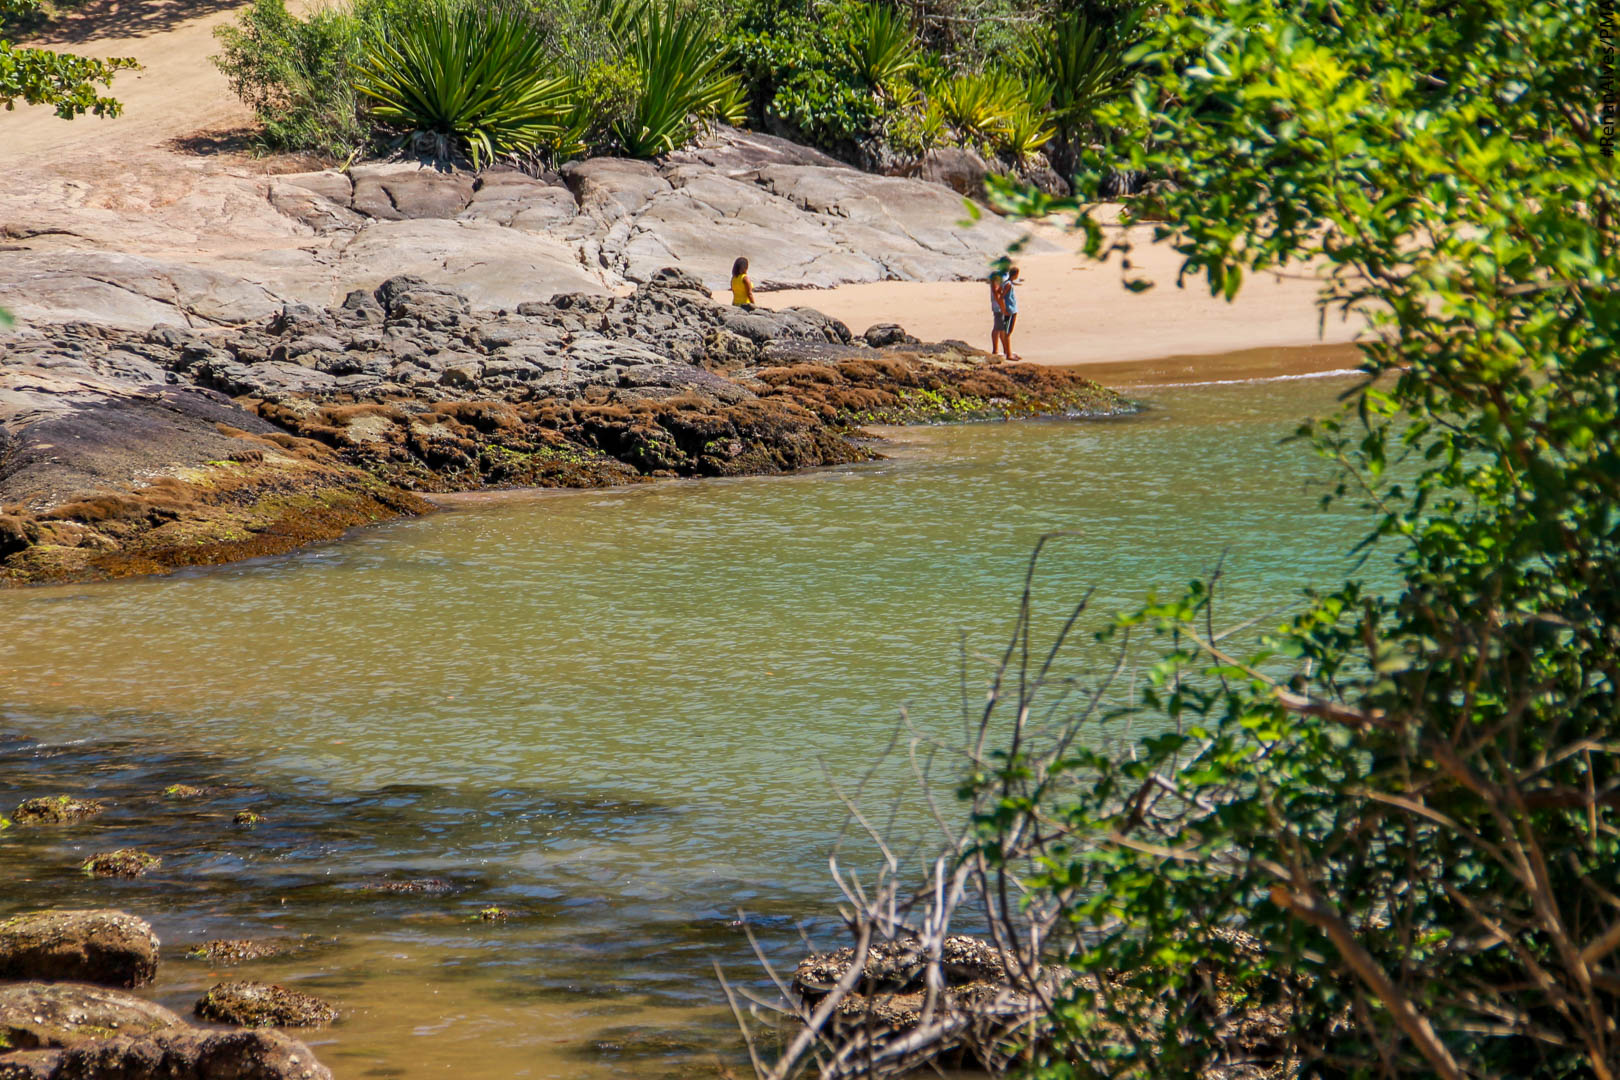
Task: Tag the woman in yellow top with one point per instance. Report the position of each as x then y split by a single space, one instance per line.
742 290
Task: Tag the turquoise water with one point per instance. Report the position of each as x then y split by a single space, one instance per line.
617 713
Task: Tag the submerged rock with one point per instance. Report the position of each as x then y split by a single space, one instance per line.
185 792
123 863
36 1016
415 886
252 1004
173 1054
56 810
235 951
246 819
97 946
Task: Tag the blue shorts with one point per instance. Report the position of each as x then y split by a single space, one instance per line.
998 322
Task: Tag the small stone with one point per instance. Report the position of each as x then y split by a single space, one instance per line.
123 863
246 819
183 791
56 810
494 914
235 951
252 1004
425 886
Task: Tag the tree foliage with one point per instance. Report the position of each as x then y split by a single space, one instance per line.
65 82
1409 797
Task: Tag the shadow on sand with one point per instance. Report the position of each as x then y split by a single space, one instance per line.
79 21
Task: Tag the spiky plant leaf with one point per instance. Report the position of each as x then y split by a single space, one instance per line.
474 77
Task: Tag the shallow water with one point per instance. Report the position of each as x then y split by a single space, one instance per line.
614 713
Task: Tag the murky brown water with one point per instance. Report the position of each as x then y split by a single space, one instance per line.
613 713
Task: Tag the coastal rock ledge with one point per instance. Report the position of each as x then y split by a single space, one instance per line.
132 452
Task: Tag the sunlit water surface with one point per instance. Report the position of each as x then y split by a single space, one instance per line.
613 713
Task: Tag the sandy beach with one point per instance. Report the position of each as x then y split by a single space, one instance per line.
1076 311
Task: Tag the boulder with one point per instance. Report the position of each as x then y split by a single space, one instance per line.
403 192
880 335
610 188
98 946
957 168
174 1054
36 1015
252 1004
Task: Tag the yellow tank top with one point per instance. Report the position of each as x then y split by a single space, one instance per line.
740 290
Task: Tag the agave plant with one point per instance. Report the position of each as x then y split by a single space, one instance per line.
1080 65
471 78
681 59
1024 133
980 104
881 45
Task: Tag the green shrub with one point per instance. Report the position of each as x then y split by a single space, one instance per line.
469 80
295 74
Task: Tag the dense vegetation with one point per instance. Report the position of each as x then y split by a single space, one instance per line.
1410 798
1383 840
545 80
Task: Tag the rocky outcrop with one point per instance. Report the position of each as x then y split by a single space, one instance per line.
210 248
252 1004
175 1054
96 946
126 452
35 1016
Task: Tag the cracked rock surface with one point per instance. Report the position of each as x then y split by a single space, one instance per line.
194 245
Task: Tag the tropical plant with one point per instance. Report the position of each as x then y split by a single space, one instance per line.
468 79
1077 65
1024 133
682 65
980 105
881 45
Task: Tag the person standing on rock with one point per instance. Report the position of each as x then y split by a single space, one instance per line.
742 290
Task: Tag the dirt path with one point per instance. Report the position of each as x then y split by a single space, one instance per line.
177 94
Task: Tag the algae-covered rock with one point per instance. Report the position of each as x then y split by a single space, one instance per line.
98 946
184 792
415 886
494 914
173 1054
123 863
36 1015
235 951
56 810
246 819
252 1004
